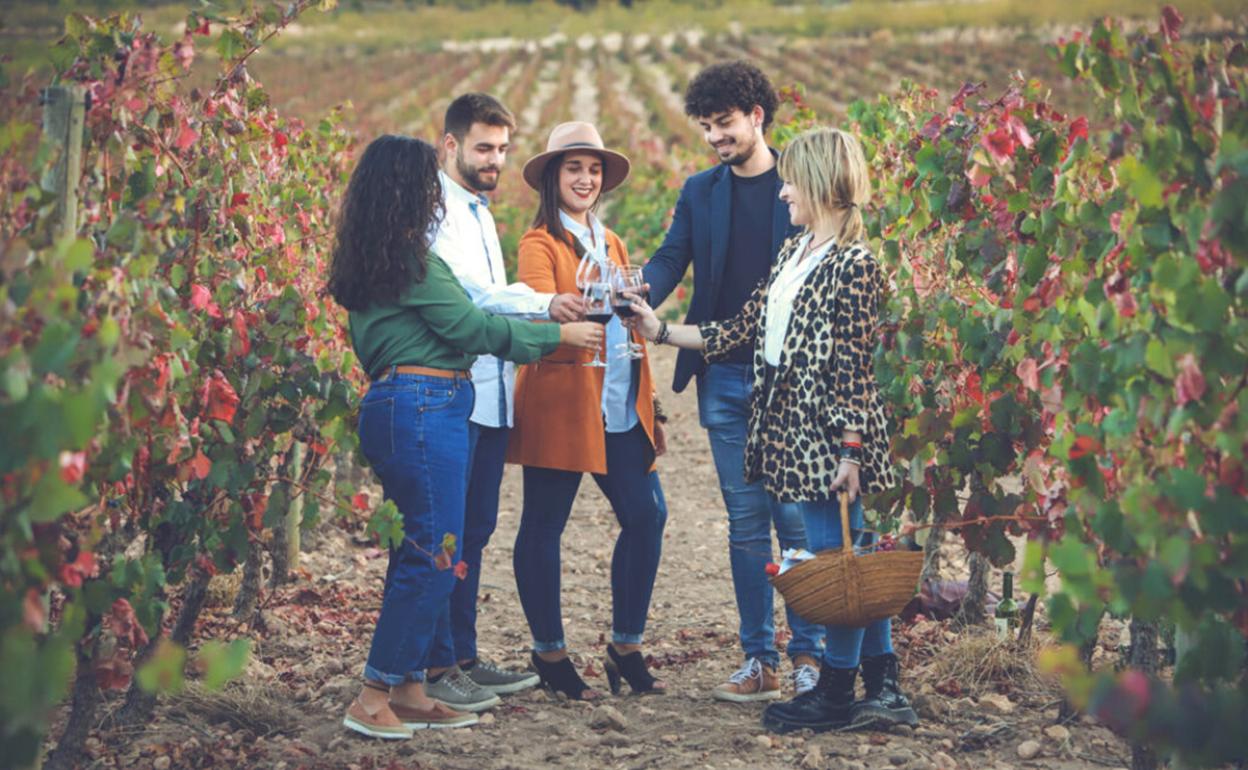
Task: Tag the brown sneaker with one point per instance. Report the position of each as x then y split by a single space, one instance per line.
754 681
438 715
375 725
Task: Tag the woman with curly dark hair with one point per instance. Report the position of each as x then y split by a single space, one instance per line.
415 332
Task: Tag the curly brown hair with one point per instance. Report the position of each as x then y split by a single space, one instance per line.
731 85
387 223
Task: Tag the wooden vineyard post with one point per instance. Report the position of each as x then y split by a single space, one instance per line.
294 518
285 549
288 538
64 121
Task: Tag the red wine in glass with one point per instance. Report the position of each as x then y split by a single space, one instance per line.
627 280
599 318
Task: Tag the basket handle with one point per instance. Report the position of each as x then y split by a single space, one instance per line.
846 545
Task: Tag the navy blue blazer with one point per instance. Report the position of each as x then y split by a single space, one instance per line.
699 234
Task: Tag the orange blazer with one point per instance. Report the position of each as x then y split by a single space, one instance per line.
558 419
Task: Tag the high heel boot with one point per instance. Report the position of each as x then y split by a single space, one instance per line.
561 676
632 669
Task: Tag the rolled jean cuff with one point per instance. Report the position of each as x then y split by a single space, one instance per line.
392 680
794 652
620 638
770 658
548 646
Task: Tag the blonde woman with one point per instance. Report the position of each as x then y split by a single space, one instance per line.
816 424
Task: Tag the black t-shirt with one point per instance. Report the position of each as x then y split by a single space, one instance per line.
749 247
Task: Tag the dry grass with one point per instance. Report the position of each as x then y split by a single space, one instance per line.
980 663
242 705
223 589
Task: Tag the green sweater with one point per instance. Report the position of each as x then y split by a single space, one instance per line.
435 324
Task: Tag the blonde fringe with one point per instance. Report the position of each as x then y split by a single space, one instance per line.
828 168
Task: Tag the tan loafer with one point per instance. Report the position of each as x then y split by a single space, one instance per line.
433 718
359 720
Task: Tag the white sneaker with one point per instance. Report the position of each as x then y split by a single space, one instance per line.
805 677
754 681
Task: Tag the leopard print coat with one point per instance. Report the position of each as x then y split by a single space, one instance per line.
825 382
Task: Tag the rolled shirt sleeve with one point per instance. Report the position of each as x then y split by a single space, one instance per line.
444 304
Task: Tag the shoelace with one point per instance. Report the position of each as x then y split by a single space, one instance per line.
460 683
805 677
489 666
751 669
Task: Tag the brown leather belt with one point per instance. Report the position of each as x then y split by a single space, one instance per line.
425 371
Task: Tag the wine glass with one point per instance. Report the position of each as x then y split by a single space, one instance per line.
625 280
588 271
597 295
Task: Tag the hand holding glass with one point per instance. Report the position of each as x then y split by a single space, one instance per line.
643 321
627 281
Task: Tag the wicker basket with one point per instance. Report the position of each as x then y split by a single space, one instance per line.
840 588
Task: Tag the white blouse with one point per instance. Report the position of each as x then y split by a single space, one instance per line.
782 293
467 242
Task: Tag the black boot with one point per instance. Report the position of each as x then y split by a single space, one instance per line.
826 707
883 704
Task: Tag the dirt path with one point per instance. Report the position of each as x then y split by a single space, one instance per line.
315 638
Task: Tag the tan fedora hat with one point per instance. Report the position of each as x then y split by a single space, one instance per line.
577 135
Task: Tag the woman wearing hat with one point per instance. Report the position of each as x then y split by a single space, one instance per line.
573 419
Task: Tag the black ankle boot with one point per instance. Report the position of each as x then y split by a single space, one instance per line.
561 676
632 669
826 707
883 704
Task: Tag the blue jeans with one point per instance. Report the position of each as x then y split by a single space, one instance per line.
487 448
414 432
637 499
846 645
724 408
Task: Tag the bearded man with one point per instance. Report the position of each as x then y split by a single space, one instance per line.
475 139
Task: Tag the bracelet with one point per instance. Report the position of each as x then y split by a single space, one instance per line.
659 414
848 461
664 333
852 443
851 452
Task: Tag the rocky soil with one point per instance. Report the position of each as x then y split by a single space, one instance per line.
310 647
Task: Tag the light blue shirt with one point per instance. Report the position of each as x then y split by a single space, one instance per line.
467 241
619 402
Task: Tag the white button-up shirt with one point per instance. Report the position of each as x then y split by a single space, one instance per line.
783 292
619 402
468 242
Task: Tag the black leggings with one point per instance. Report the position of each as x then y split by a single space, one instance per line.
634 494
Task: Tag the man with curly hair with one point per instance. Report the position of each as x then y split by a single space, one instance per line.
729 223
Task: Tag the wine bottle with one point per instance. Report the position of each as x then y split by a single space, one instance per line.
1006 617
